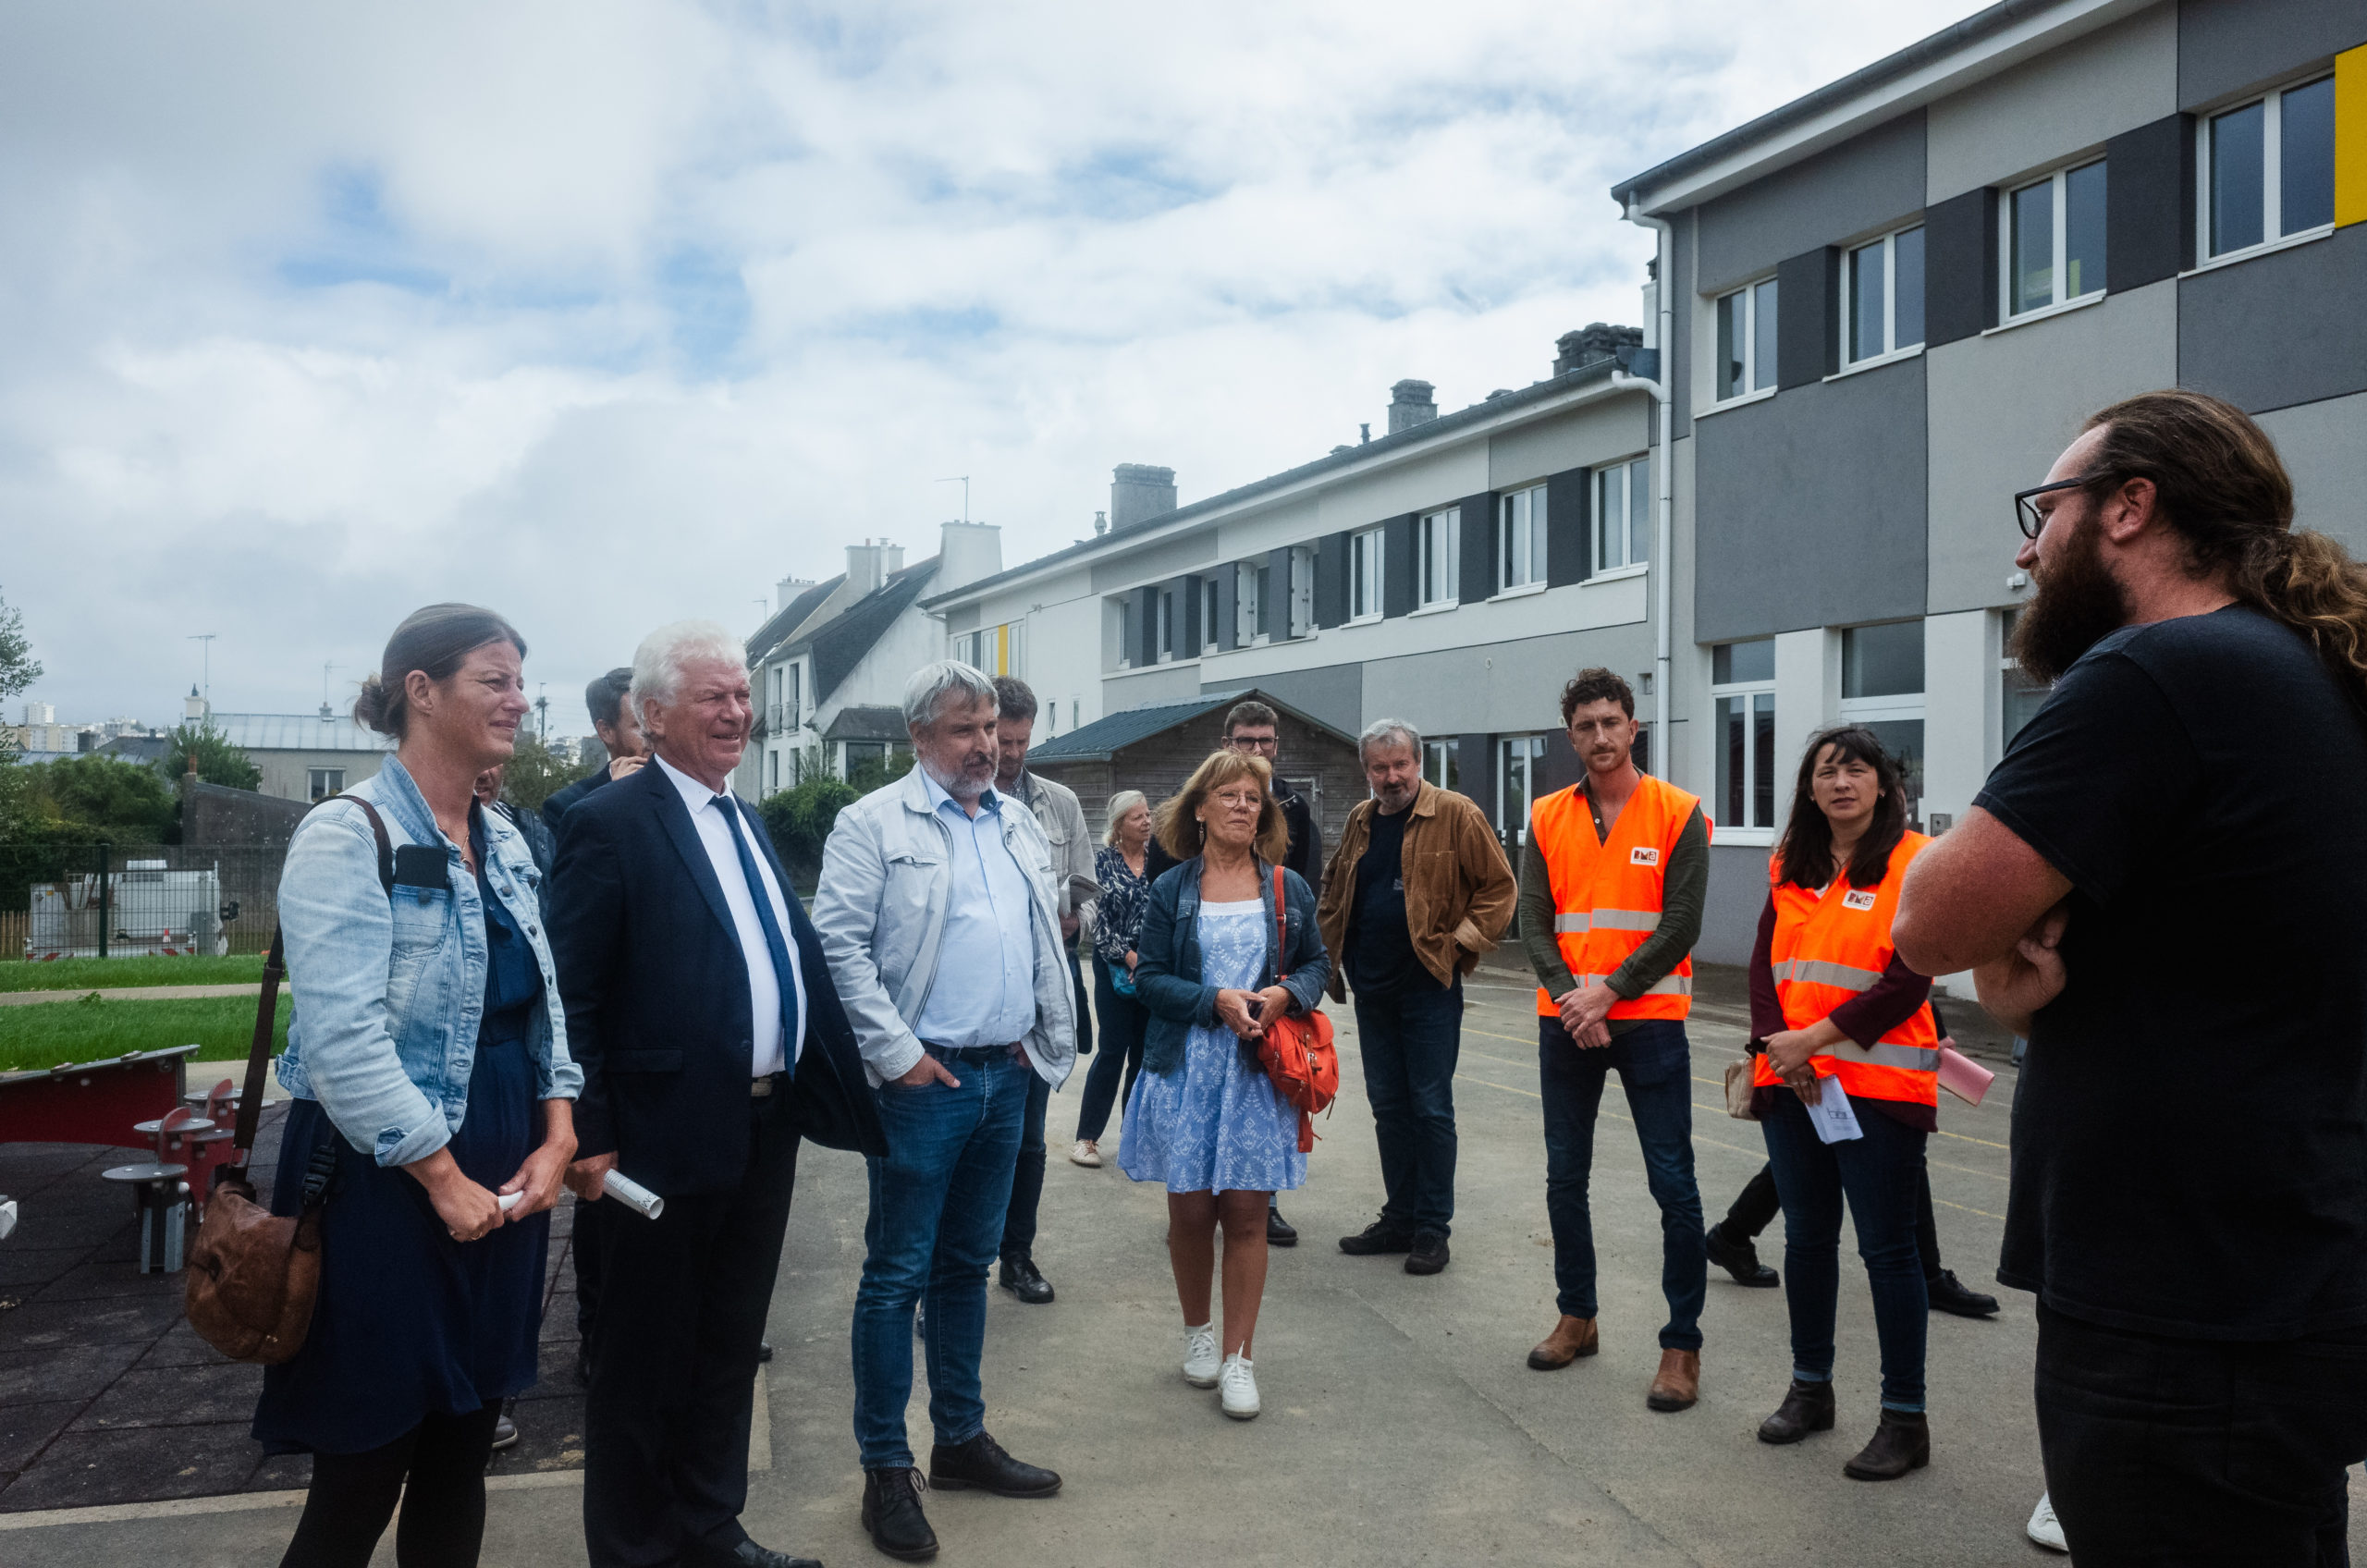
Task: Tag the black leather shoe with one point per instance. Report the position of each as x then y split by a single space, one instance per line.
748 1554
1428 1254
1739 1259
1019 1277
1378 1237
1948 1294
1901 1443
981 1462
891 1512
1280 1233
763 1352
1806 1407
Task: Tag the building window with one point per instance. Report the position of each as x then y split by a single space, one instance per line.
2053 235
1622 514
1207 618
1881 688
1166 626
772 771
1440 555
2019 697
1126 635
1747 340
1742 690
1014 649
1881 306
1520 539
2267 168
1364 575
792 696
1440 764
1519 760
327 781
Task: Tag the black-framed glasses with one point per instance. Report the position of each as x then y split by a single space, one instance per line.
2032 520
1255 742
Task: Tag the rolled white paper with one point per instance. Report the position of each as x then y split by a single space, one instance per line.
633 1195
509 1200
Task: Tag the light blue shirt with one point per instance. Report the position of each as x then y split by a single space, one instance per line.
985 990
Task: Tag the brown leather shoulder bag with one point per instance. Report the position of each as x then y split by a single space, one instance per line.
253 1275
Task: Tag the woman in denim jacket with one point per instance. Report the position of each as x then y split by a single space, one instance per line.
1205 1119
426 1058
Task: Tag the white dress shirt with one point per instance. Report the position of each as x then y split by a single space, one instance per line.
766 1054
985 992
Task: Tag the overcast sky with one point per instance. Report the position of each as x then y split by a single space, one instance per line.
608 315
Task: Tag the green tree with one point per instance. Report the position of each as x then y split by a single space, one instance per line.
94 796
869 775
218 762
19 670
535 773
799 819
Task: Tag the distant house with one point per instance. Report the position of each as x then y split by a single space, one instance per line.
1155 750
305 757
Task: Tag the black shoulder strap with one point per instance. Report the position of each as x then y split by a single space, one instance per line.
275 968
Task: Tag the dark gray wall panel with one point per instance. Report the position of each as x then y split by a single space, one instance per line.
2290 327
1729 915
1808 336
2149 204
1187 617
1866 182
1397 565
1960 267
1146 650
1331 580
1568 499
1676 365
1475 769
1274 604
2228 46
1812 505
1476 575
1333 692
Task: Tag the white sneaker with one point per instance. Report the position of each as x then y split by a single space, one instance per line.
1087 1153
2043 1527
1201 1356
1238 1387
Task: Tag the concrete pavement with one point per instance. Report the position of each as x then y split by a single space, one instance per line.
1401 1424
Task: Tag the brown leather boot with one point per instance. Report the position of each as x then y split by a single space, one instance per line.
1901 1443
1571 1338
1678 1382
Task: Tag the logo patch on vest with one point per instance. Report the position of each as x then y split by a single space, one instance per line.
1643 855
1858 897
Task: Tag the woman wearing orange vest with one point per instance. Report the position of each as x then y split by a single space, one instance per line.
1833 1007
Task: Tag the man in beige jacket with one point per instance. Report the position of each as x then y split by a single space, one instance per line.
1417 891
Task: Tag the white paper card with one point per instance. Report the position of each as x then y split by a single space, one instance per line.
1832 1117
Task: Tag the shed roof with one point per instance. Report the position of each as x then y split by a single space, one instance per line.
300 732
1112 733
860 723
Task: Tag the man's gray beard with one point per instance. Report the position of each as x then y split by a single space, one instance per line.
1391 805
962 787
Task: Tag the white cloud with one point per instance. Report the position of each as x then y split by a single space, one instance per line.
610 313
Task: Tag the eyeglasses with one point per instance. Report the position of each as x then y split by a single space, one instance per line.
2032 520
1255 742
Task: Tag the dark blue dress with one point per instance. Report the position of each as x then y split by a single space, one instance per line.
411 1322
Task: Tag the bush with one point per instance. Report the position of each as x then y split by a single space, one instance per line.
535 773
799 818
84 799
218 762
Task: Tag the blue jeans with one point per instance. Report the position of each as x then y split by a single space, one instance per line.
1880 1174
1654 1062
1410 1039
937 1211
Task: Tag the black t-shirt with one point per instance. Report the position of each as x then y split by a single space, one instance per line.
2189 1143
1380 948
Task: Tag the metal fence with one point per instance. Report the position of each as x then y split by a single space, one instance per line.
117 901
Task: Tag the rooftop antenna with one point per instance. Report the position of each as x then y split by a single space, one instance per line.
327 665
207 638
963 480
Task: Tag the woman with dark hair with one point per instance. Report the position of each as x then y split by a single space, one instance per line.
429 1083
1118 866
1835 1015
1206 1121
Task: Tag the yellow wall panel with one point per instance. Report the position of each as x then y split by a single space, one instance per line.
2351 136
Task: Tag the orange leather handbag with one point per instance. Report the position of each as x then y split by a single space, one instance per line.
1296 1051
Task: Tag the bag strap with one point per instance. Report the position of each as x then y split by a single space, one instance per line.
275 967
1282 928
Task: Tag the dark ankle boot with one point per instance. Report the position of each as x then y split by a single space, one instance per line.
891 1512
1901 1443
1806 1407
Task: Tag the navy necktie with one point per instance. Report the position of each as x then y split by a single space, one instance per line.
774 942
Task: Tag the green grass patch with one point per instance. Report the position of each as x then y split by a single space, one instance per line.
42 1034
92 973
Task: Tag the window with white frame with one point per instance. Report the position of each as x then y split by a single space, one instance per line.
1437 557
794 696
1364 574
1747 340
1439 763
1208 616
1742 694
772 771
2267 168
1622 514
1519 760
326 781
2019 697
1882 297
1166 602
1520 538
1125 635
1881 688
2053 232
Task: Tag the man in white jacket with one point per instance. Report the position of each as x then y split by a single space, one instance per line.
941 926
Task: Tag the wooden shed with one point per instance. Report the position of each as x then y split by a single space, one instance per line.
1155 750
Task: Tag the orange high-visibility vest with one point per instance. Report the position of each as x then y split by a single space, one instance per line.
1607 894
1829 947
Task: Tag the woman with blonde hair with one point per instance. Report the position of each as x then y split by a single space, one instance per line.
1205 1119
1118 866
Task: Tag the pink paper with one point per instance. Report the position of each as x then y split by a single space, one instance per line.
1962 1076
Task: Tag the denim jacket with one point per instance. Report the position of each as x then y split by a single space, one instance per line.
1167 965
388 990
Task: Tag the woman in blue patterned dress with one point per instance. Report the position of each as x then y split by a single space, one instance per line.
1204 1119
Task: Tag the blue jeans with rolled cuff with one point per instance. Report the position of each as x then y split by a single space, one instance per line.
1654 1062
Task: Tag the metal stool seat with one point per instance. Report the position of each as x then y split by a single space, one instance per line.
161 1199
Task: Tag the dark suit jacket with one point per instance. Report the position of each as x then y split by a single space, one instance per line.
555 810
656 996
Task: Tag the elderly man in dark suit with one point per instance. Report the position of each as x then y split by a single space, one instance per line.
711 1040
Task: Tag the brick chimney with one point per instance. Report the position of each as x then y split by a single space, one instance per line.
1139 492
1594 342
1410 404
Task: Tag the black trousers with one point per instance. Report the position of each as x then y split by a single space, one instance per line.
1027 1176
584 1240
682 1305
1755 1205
2171 1450
436 1469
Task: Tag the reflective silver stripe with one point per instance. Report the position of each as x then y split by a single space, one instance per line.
1669 986
1608 920
1913 1057
1817 972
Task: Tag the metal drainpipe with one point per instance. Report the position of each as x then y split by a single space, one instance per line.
1664 544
